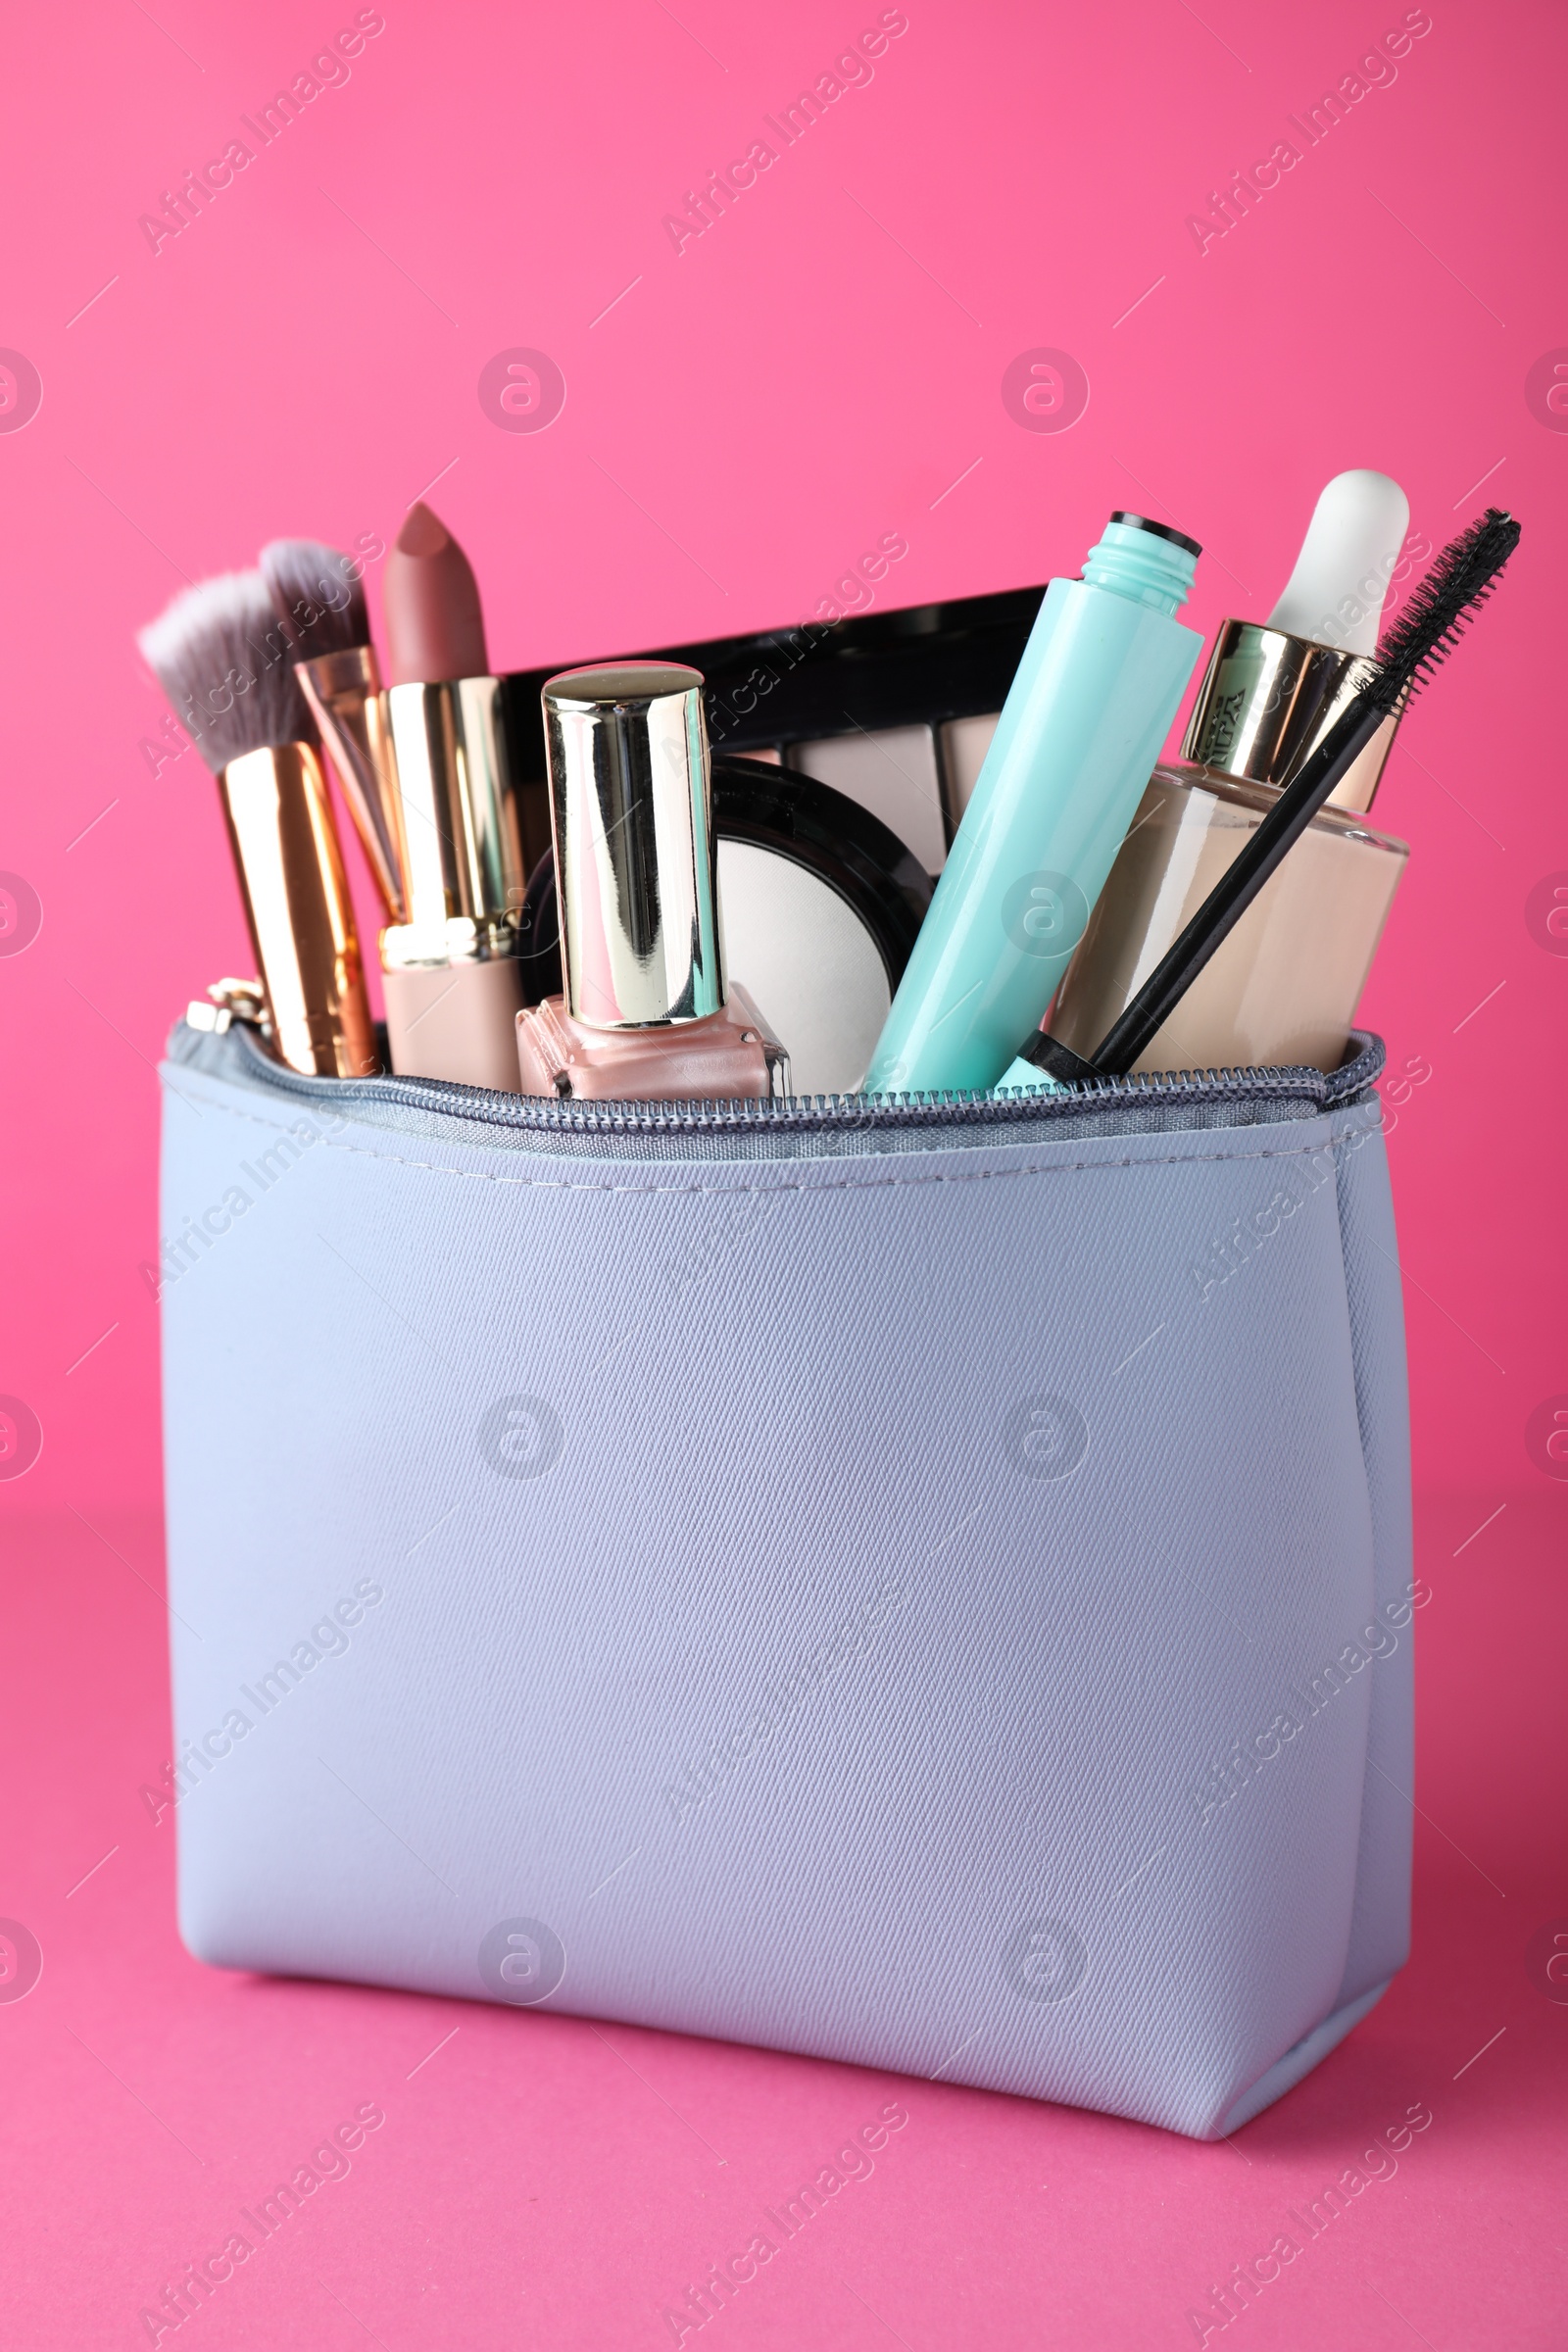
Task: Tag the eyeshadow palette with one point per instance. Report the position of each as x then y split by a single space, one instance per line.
892 710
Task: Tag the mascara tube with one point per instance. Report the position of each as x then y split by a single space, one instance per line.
1094 698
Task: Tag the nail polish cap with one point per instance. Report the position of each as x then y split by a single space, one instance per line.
636 854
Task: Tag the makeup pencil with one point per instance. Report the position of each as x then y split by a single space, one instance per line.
1425 632
220 658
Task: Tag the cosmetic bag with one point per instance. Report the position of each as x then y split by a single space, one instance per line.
926 1585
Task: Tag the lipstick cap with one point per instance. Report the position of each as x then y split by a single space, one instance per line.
1268 698
636 854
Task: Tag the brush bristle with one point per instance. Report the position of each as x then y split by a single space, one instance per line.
221 656
318 595
1439 606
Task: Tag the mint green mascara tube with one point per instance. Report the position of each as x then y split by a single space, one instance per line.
1085 719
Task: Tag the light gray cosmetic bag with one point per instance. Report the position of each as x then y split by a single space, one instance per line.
927 1587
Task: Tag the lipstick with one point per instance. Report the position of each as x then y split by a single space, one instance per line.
450 970
434 621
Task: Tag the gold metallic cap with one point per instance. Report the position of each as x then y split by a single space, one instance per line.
636 854
1268 698
454 825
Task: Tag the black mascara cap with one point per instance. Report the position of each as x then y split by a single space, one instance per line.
1161 530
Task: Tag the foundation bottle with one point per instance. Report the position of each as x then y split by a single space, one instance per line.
645 1016
1284 986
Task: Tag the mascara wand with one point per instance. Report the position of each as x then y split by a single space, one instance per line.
1425 632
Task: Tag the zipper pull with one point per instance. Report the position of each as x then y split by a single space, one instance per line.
230 1000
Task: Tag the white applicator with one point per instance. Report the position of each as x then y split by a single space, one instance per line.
1335 595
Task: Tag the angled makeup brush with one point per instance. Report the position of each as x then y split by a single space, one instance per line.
220 657
1424 634
319 597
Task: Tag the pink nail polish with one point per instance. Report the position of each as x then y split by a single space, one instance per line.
645 1016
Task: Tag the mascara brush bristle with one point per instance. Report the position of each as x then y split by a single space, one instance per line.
221 656
1441 605
318 595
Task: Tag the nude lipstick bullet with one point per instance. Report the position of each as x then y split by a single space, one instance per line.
450 970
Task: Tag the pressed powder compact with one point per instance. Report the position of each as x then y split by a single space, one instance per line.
819 907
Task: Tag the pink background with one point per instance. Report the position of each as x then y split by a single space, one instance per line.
824 365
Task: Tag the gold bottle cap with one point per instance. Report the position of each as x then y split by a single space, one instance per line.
1268 698
636 854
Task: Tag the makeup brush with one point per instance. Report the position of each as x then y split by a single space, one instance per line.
319 597
218 655
222 657
1425 632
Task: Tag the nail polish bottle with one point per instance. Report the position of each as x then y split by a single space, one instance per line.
1283 989
644 1015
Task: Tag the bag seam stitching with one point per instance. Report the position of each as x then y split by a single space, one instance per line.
826 1185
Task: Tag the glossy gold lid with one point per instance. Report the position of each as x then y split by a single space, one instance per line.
1268 698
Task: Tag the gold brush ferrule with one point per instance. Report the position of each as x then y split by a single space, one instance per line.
297 906
344 694
458 842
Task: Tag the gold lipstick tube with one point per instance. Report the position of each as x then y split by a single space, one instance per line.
344 694
298 910
450 970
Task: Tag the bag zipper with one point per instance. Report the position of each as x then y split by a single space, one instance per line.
825 1113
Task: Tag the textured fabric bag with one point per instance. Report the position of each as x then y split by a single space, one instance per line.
927 1586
